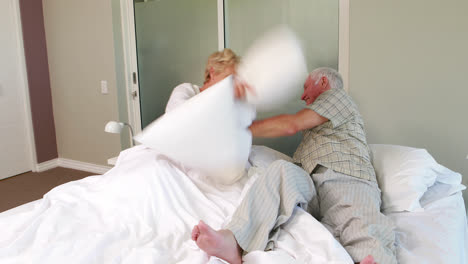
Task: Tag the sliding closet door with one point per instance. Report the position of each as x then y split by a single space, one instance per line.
14 147
174 39
315 23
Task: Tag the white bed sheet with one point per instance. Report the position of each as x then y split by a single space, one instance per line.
142 211
436 235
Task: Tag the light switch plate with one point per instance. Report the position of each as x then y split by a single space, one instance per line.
104 88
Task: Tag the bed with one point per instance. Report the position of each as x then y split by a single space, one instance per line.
143 210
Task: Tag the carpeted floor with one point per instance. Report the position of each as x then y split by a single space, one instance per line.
30 186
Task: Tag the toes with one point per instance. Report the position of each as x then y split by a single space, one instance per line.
204 228
195 233
368 260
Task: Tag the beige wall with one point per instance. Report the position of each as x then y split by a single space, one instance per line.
81 54
408 74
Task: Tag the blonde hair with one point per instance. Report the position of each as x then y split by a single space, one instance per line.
219 61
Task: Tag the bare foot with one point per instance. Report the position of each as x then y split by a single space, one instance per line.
368 260
221 243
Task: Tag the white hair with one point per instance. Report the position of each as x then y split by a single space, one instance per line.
334 77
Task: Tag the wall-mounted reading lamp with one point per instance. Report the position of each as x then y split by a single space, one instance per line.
116 128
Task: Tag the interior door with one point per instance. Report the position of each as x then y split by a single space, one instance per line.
14 145
174 39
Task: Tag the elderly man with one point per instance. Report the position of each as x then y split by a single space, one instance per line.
335 154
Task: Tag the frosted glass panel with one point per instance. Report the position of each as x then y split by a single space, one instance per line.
174 39
314 21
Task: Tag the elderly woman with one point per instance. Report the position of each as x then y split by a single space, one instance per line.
220 64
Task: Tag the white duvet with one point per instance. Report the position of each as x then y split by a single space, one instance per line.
143 211
437 235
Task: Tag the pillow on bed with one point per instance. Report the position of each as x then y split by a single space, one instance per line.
209 132
447 183
403 174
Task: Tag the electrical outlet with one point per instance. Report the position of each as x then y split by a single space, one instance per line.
104 89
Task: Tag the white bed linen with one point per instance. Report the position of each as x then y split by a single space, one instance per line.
436 235
142 211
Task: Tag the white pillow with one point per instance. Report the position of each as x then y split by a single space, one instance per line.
438 191
403 174
208 132
447 183
275 67
447 176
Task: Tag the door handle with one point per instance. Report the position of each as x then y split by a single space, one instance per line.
134 77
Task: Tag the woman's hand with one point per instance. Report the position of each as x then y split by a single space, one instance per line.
241 87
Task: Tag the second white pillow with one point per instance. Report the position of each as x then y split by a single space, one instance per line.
403 174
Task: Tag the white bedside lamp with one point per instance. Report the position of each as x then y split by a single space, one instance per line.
116 128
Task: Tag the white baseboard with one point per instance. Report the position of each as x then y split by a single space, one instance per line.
72 164
78 165
47 165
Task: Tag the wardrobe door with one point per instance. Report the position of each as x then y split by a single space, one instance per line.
14 144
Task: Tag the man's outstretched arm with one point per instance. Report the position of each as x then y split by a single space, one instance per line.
286 125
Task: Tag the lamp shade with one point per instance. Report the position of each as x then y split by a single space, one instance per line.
114 127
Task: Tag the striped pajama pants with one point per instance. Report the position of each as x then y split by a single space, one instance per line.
347 206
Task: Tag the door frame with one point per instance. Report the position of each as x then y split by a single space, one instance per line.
131 65
132 93
24 87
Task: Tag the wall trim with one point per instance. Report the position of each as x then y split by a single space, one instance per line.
221 44
84 166
72 164
47 165
127 14
343 42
